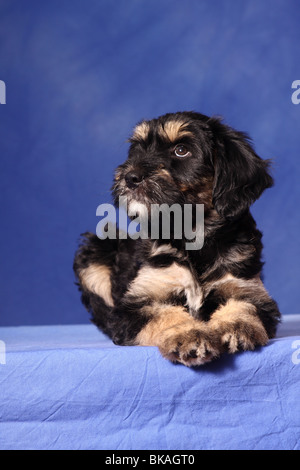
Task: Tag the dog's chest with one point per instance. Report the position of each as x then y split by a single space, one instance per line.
162 283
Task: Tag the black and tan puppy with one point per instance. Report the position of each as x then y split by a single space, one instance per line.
192 304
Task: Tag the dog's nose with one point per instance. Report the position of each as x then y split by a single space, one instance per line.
133 179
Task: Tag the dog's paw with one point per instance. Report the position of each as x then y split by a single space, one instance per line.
193 347
242 336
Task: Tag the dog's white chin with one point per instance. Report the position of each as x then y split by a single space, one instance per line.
136 208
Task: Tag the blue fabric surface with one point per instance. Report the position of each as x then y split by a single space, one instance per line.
69 387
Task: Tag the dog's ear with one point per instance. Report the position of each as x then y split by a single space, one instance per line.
240 175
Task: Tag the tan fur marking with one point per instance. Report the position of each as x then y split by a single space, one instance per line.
141 131
233 311
163 249
159 283
167 321
230 285
238 325
213 284
165 174
117 175
184 187
96 278
174 130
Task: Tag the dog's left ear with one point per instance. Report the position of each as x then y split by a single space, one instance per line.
240 175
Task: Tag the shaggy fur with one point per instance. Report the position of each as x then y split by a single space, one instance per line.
193 305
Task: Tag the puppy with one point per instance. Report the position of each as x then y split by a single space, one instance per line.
192 304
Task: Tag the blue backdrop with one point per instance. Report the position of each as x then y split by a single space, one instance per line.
79 74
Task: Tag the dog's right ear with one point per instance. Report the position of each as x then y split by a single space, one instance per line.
240 176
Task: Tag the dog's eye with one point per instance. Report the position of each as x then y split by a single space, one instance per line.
181 151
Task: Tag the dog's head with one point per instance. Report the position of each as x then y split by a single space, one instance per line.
189 158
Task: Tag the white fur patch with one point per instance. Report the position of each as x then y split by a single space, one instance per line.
136 208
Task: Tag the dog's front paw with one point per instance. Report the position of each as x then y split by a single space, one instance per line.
242 336
193 347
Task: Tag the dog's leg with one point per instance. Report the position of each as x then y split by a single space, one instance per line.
246 317
179 337
93 265
146 316
103 269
